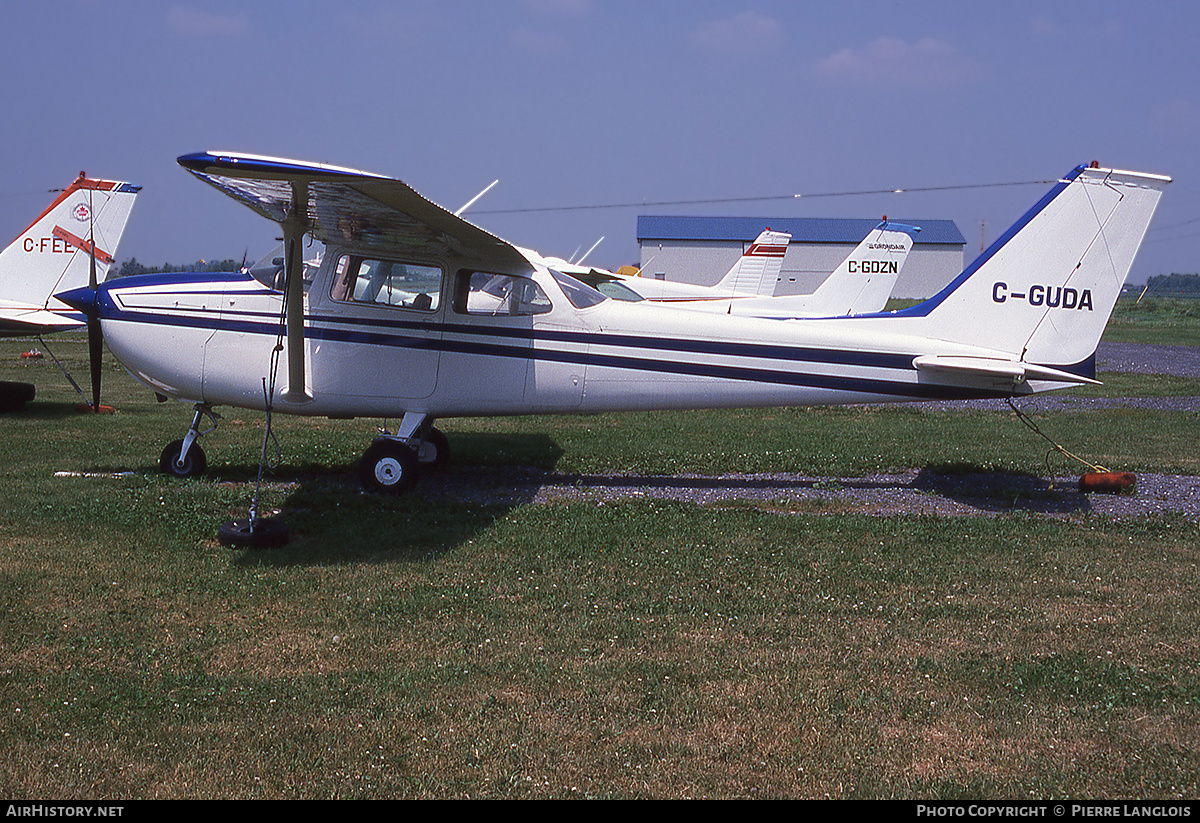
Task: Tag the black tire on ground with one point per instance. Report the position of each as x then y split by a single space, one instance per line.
14 396
195 465
389 467
267 533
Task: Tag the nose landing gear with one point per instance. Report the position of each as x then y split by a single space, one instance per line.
185 458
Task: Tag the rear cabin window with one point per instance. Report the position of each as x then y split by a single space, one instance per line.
484 293
387 282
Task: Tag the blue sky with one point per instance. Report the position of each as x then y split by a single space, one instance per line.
594 102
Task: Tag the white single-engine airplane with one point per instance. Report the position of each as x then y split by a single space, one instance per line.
71 244
418 314
861 284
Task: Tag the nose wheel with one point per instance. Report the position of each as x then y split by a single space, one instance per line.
177 464
185 458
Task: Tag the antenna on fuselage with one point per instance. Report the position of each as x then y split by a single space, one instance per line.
471 202
579 262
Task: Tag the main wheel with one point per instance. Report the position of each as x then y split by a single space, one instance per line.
194 466
390 467
434 451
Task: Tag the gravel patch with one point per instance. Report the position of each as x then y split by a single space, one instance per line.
1144 358
915 492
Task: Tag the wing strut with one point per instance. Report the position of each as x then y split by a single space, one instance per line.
294 225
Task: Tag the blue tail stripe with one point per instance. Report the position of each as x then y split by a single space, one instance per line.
923 309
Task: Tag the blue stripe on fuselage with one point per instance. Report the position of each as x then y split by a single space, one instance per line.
518 343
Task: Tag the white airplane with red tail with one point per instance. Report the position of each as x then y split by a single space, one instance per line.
70 244
861 284
54 254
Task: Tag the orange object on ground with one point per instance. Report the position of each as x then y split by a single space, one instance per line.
1111 482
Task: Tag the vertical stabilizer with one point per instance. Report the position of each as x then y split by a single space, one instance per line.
756 272
53 254
864 281
1043 292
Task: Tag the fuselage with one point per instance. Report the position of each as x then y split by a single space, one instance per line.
455 337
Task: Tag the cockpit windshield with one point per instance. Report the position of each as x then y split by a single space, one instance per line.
581 295
269 269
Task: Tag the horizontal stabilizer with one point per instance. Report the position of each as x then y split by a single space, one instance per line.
1015 370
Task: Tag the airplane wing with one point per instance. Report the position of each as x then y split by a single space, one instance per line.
348 205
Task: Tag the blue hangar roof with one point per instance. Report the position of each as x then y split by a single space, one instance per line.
656 228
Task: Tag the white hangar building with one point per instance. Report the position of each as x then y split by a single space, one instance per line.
701 249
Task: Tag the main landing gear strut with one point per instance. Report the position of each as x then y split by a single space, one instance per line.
393 463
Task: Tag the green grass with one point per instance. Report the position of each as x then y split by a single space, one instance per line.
421 648
1169 321
1162 320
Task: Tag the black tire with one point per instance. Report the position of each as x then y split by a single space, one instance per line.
14 396
267 533
434 451
195 465
389 467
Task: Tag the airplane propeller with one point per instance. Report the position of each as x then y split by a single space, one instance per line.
86 301
95 335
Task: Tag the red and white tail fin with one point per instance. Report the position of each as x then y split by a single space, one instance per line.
862 283
756 272
53 254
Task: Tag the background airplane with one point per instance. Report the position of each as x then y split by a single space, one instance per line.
861 284
754 274
418 314
55 253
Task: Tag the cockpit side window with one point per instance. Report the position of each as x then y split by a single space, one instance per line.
485 293
387 282
581 295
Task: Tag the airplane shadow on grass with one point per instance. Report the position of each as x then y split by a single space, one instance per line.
332 520
992 490
44 410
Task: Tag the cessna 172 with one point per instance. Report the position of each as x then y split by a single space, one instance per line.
72 243
861 284
417 314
